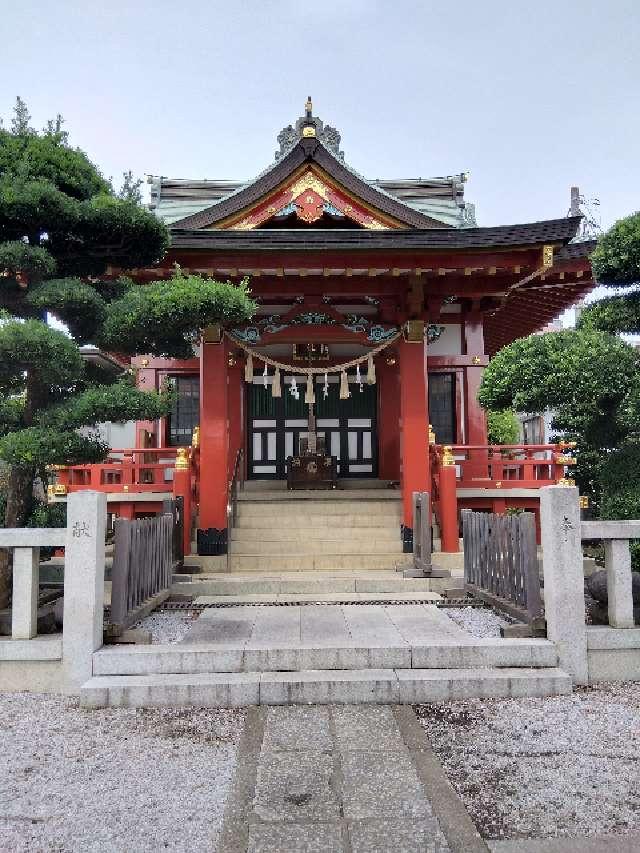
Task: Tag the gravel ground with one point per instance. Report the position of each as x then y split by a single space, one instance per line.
167 627
478 621
114 781
565 765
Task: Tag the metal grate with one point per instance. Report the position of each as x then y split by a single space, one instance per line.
189 605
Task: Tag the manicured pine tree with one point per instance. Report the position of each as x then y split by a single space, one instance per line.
62 227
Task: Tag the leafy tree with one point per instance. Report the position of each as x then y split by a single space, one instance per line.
503 427
590 377
61 228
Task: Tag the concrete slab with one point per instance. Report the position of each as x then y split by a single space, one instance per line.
303 838
295 786
370 624
409 836
367 728
317 624
308 728
381 784
422 624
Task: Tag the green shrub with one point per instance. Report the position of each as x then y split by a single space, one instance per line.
503 427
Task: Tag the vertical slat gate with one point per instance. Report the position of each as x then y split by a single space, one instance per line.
143 563
501 561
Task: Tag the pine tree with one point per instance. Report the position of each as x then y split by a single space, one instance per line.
62 227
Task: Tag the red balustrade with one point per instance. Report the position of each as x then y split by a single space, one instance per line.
521 466
148 469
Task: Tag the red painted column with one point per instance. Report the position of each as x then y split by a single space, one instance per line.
449 538
214 435
414 413
388 382
182 488
236 415
475 417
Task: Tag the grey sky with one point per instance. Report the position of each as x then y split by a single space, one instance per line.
528 97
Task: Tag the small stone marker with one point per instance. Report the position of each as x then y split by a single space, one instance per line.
83 585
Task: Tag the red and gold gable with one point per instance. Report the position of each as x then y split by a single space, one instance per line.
309 190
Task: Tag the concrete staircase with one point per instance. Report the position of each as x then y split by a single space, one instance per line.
322 654
354 528
153 676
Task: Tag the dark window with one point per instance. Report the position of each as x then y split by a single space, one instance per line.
442 406
185 413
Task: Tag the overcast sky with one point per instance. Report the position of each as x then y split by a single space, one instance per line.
529 97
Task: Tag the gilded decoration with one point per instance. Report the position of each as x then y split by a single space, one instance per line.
376 333
311 196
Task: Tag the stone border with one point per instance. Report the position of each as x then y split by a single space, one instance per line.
234 835
458 828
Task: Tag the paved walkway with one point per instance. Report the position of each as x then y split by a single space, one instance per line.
394 626
342 779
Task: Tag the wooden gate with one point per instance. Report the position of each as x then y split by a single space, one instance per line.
143 561
501 563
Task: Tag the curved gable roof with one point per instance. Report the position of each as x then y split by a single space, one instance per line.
306 151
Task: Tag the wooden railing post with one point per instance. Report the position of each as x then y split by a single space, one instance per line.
182 488
449 538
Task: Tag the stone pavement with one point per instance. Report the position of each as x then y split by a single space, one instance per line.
342 779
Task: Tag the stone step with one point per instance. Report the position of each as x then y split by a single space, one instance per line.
325 533
382 686
345 507
320 583
319 496
321 522
320 547
346 483
204 657
323 562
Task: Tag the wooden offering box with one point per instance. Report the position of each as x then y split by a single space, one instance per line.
312 471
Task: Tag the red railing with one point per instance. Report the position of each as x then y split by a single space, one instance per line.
525 466
148 469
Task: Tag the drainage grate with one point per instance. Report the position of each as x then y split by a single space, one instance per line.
189 605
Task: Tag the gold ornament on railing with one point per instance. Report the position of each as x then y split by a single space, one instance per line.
432 435
447 455
195 437
182 459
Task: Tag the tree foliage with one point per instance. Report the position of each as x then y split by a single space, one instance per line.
503 427
616 258
62 227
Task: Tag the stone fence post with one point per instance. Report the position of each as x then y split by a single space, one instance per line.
83 585
564 578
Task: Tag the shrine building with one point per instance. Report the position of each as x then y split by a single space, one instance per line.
380 303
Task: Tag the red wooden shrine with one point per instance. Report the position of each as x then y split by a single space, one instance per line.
398 268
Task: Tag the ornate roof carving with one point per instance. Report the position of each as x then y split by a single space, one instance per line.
289 135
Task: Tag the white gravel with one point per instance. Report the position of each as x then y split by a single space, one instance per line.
115 780
167 627
478 621
565 765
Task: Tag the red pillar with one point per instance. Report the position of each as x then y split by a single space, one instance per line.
236 415
388 382
414 413
476 419
214 435
449 539
182 488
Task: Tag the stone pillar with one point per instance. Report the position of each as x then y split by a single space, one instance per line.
214 448
414 440
83 585
564 578
617 561
24 612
